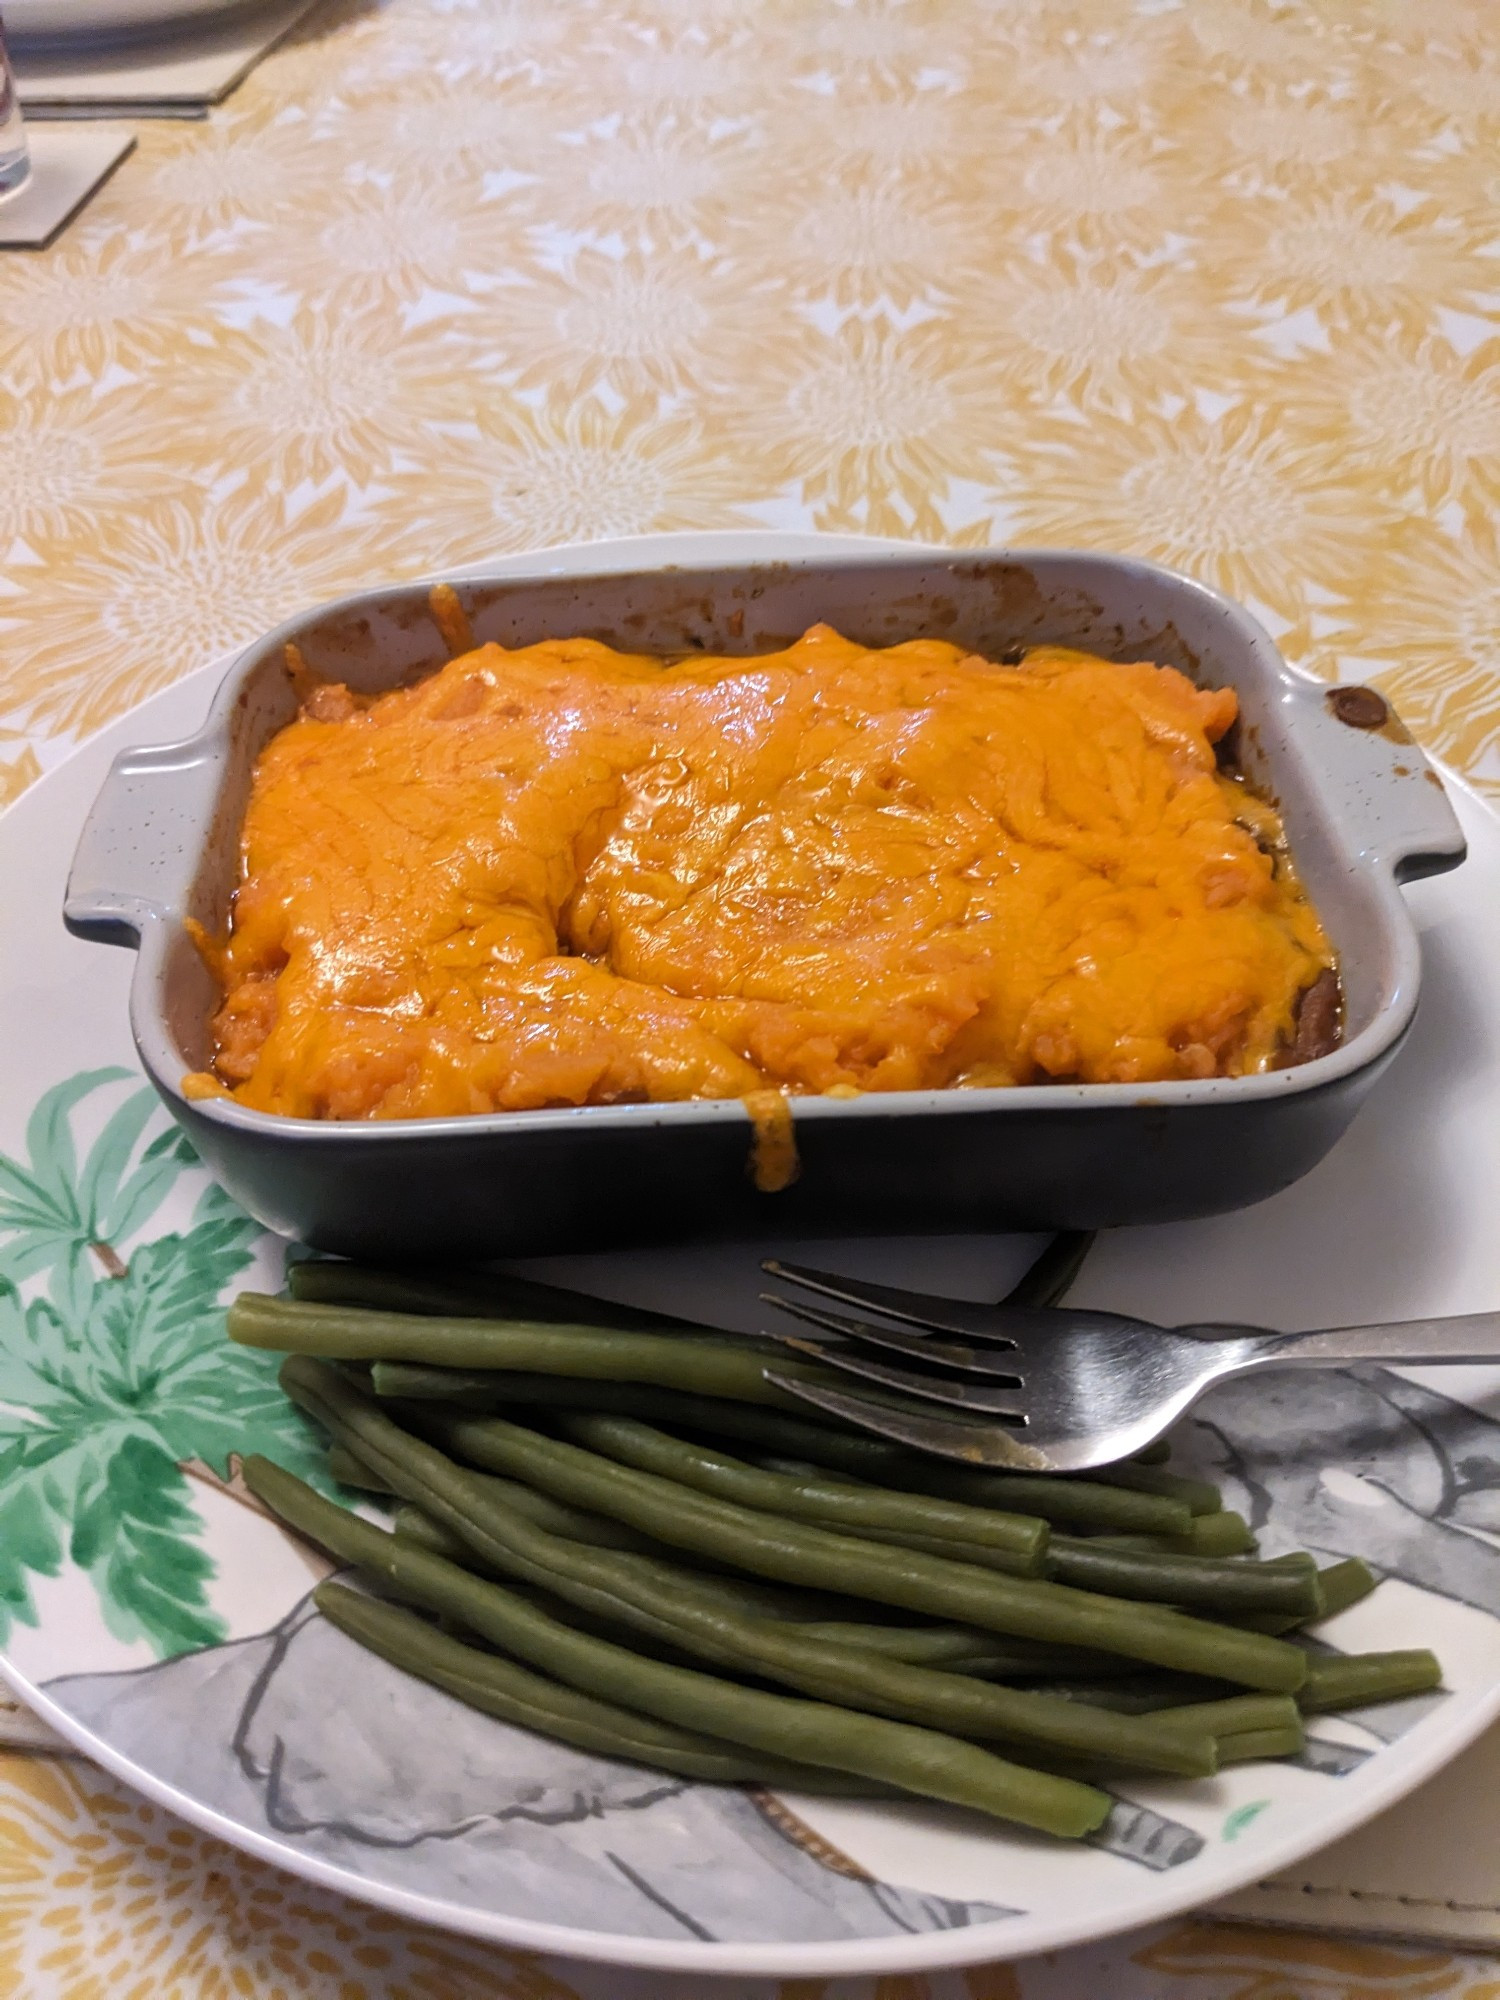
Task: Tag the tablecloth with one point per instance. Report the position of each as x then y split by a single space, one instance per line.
1212 281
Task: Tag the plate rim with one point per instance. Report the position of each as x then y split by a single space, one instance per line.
1424 1751
924 1951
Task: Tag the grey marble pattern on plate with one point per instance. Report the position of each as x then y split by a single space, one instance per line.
303 1734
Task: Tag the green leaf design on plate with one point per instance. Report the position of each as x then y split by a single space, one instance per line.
1236 1822
115 1374
133 1531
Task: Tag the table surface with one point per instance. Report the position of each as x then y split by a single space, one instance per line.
1213 282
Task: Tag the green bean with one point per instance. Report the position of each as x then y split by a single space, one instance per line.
806 1659
1219 1534
716 1364
1345 1583
554 1515
795 1552
410 1524
1197 1495
1339 1586
1137 1694
1233 1715
1154 1454
1200 1583
1076 1503
1242 1726
1354 1680
916 1760
952 1646
460 1294
933 1545
1257 1746
832 1503
829 1613
739 1593
501 1688
656 1599
963 1650
350 1471
476 1389
1066 1502
416 1529
1192 1582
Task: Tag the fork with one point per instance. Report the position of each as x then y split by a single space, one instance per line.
1072 1388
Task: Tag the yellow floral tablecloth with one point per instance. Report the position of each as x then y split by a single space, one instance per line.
1216 281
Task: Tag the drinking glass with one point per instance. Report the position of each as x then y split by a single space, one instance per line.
15 161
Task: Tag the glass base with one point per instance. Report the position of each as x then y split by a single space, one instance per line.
15 172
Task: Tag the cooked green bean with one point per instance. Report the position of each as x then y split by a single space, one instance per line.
554 1515
411 1524
1356 1680
757 1600
817 1612
1074 1502
1242 1726
351 1471
459 1294
1197 1495
659 1600
1345 1583
1066 1502
1340 1585
797 1553
952 1646
713 1364
957 1647
1257 1746
916 1760
1192 1582
1220 1534
964 1650
1154 1454
1136 1693
1234 1715
1199 1583
501 1688
832 1503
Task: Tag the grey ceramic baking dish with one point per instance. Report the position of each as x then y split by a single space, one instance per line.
1363 812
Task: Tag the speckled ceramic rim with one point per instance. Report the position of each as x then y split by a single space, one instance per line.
1388 824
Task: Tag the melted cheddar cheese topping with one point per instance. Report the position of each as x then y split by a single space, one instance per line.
565 875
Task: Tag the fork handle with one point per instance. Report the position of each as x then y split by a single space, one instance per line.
1463 1337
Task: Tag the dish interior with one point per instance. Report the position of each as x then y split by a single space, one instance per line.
998 608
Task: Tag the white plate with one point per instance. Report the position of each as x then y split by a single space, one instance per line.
47 20
289 1742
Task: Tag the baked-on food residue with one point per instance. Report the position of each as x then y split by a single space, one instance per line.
564 875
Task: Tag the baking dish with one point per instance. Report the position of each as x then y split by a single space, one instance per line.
1363 811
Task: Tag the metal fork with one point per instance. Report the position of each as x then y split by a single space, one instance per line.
1073 1388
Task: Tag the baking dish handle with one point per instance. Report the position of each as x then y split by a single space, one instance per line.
1391 800
138 852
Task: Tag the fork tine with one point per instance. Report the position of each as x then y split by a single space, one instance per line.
975 1322
930 1388
921 1346
972 1444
